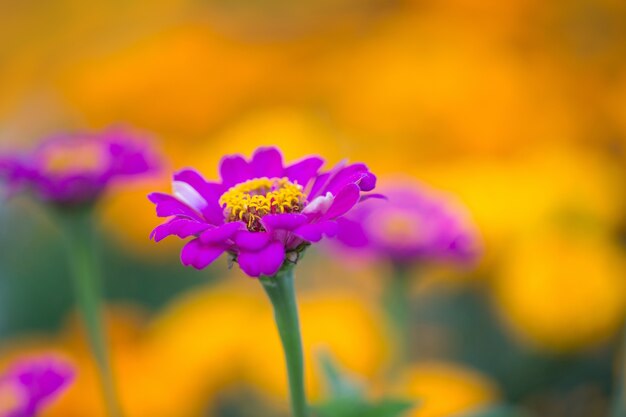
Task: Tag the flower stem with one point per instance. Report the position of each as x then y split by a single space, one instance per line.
81 239
281 292
397 304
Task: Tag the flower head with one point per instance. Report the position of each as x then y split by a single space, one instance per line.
30 384
76 168
261 213
413 224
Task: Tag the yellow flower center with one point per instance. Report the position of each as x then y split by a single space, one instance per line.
253 199
400 228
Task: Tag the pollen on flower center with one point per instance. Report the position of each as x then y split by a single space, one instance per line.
253 199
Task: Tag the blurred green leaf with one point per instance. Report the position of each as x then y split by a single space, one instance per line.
347 396
338 385
360 408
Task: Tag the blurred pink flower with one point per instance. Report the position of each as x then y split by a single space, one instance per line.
414 224
75 168
30 384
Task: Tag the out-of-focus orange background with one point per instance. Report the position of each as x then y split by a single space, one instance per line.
517 107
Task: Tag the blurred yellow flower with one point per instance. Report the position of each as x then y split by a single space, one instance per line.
563 291
445 389
184 80
507 198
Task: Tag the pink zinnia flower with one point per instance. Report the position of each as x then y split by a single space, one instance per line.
261 213
413 224
76 168
29 385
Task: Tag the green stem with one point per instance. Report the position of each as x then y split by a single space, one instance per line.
618 407
397 304
81 241
281 292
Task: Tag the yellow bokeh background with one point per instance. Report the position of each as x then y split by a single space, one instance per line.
517 108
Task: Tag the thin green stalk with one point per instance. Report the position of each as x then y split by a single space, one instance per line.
397 304
281 292
81 242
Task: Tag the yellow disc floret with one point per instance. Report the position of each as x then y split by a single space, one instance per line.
253 199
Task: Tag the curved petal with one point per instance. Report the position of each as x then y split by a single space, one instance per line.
198 255
345 199
167 205
319 205
285 221
234 169
267 162
264 262
352 174
210 193
301 172
252 241
319 185
177 226
314 232
221 233
374 196
188 195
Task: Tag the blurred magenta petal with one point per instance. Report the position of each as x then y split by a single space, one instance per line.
77 168
412 224
29 385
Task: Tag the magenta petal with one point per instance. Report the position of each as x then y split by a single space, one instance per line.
264 262
286 221
319 184
351 174
351 233
167 205
367 182
180 227
267 162
198 255
210 192
252 241
302 172
234 169
344 201
220 233
314 232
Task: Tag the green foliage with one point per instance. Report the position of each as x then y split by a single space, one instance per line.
347 397
358 407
